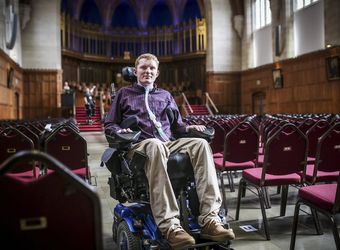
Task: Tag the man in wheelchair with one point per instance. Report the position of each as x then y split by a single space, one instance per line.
149 106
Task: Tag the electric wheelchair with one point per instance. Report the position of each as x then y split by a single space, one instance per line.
133 223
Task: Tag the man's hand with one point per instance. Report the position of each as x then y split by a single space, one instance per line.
197 127
124 131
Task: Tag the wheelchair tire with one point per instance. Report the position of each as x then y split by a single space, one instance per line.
126 240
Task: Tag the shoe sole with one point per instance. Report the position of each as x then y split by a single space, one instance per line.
217 237
182 245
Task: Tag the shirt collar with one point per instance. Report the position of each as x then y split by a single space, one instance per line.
140 86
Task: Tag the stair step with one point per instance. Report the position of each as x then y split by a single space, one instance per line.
82 118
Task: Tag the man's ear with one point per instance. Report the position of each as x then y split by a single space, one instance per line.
157 73
134 71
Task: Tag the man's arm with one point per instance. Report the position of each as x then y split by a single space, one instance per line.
178 123
113 118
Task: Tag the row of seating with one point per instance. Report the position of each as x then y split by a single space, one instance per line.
280 150
60 140
56 211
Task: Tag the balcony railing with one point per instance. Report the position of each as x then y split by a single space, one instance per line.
92 40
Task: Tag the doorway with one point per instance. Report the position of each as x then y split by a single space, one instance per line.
259 103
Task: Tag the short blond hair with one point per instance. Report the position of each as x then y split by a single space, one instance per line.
147 56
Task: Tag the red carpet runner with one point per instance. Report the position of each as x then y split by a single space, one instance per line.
83 124
197 110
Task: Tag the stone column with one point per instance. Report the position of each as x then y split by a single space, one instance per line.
41 61
223 57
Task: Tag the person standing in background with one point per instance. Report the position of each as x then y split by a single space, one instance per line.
89 103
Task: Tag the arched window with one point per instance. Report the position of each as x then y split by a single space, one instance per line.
90 13
309 26
160 15
191 11
300 4
262 32
262 13
124 16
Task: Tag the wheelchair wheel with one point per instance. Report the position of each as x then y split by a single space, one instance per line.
126 240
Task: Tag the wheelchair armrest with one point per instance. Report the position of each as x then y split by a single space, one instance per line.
121 140
207 134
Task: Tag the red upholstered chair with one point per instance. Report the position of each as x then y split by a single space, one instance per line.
284 158
70 148
55 211
217 143
324 198
240 152
322 149
327 157
313 134
11 142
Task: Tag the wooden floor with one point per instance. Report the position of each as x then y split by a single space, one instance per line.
280 227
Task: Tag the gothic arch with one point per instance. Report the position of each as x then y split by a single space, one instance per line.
90 12
124 16
160 15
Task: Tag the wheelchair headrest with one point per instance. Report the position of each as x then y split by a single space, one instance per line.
128 74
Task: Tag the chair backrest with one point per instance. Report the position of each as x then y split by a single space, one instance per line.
217 143
68 147
13 141
307 124
328 150
313 134
34 128
241 143
272 128
285 151
30 134
56 211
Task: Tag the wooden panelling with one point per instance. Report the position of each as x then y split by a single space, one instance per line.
42 91
224 90
306 88
11 98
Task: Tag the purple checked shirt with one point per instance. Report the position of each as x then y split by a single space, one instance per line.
129 101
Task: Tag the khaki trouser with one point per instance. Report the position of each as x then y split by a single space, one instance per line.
162 199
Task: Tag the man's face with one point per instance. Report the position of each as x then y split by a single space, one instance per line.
146 72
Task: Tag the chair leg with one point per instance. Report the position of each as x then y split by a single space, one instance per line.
317 224
267 202
278 190
335 232
224 197
231 181
263 211
295 223
244 189
241 187
284 197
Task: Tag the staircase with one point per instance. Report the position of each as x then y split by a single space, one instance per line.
197 109
82 122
